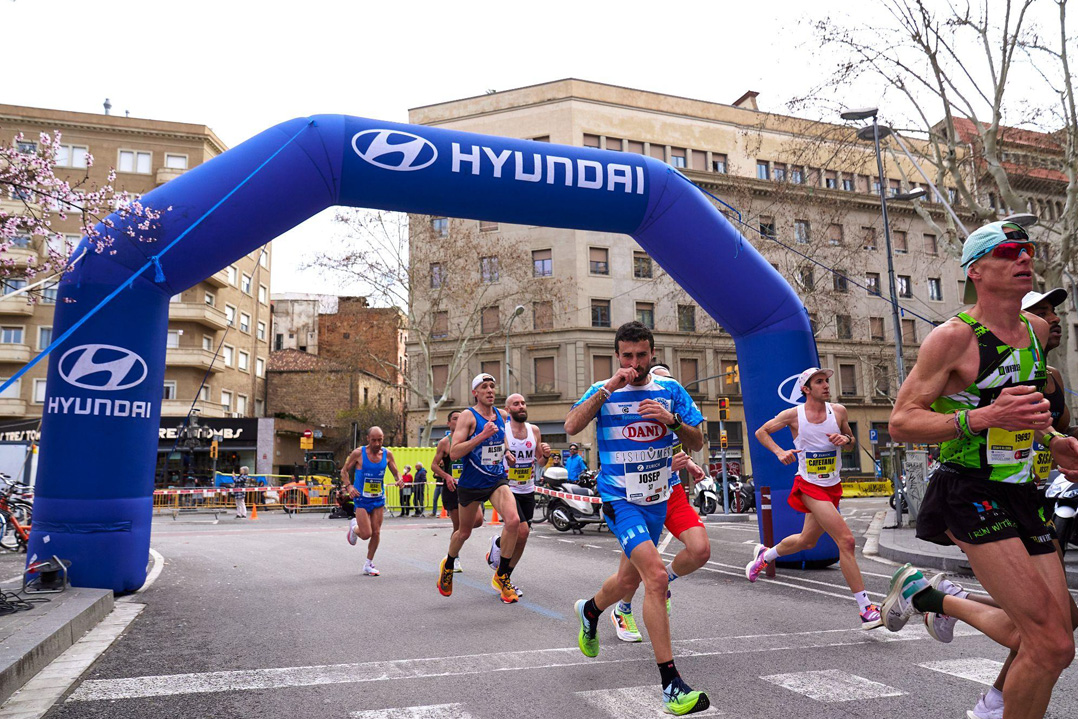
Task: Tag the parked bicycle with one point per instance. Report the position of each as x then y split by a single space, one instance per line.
16 514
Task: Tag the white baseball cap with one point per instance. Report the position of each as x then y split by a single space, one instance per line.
1055 296
806 376
481 378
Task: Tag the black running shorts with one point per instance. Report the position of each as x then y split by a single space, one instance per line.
979 511
525 506
449 499
467 495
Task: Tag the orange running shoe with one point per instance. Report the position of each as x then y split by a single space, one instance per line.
505 587
445 579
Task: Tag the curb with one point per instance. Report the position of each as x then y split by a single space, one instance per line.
34 645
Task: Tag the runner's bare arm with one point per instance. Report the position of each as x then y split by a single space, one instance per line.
542 451
936 373
510 457
1063 423
580 416
461 445
392 465
785 418
439 456
355 459
843 418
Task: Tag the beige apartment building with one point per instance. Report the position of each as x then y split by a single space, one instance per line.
806 195
218 330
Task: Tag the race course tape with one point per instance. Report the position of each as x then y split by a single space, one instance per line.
565 495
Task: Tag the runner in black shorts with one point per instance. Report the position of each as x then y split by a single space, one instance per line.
977 391
526 444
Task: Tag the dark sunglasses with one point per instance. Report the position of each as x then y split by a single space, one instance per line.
1013 250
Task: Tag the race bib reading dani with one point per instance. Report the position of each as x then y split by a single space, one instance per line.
1005 447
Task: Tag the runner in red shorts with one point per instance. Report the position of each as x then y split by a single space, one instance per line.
683 522
820 429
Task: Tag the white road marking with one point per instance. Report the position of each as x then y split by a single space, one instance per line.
474 664
665 542
158 565
592 546
39 694
983 671
832 685
431 711
644 702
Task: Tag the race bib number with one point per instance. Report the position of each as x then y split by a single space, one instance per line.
491 454
1009 447
457 468
520 475
647 482
1042 461
372 489
821 465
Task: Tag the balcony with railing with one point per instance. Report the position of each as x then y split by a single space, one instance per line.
192 357
199 313
15 353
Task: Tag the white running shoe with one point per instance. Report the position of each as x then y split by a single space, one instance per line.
897 608
983 710
494 556
457 566
370 570
352 538
941 626
625 626
758 563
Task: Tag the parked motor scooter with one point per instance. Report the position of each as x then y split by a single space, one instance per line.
707 497
744 496
572 514
1064 493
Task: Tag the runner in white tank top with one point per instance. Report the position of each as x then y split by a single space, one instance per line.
526 444
820 431
818 460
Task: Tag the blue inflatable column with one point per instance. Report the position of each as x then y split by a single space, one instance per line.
94 493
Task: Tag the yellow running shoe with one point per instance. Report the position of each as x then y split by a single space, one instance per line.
501 582
445 579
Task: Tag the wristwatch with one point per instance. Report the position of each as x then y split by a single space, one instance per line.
677 423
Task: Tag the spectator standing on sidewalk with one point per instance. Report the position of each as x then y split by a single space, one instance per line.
239 482
419 487
406 490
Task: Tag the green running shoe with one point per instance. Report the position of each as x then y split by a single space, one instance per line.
679 698
625 626
588 639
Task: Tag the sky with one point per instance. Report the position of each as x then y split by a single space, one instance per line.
240 68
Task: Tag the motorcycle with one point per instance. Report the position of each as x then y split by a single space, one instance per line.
744 499
572 514
1064 493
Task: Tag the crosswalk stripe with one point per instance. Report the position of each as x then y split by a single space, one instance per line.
644 702
432 711
832 685
983 671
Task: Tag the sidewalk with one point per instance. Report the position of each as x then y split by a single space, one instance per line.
901 545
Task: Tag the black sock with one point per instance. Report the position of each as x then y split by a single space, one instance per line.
503 566
929 600
592 611
450 560
668 672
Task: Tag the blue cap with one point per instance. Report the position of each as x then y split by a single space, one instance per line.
982 241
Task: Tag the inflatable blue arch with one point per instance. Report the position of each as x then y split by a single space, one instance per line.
100 425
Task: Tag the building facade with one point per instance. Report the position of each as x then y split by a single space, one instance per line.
218 331
808 201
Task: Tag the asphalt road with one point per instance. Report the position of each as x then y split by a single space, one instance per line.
273 618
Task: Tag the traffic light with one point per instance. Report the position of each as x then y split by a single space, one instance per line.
724 409
724 439
213 449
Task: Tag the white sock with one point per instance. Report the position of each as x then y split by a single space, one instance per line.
862 600
670 574
771 555
994 697
354 526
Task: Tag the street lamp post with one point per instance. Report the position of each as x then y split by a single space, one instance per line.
517 312
875 132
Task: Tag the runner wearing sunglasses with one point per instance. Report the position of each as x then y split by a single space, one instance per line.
977 390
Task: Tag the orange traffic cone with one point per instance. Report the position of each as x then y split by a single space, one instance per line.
444 514
495 520
254 511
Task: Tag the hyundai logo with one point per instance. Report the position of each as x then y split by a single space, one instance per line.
394 150
102 367
790 392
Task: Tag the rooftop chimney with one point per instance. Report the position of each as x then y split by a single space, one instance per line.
747 101
108 106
